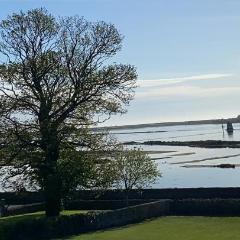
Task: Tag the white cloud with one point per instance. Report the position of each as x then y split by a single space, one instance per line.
175 80
167 87
187 91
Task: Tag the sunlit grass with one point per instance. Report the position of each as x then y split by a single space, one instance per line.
172 228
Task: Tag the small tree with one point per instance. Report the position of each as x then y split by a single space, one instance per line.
134 169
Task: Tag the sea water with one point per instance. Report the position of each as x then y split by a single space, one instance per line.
188 166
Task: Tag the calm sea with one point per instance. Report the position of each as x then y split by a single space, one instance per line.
187 166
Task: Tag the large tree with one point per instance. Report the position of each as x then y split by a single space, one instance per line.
56 80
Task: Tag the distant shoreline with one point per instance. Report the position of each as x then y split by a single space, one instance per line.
165 124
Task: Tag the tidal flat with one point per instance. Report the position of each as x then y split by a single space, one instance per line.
179 152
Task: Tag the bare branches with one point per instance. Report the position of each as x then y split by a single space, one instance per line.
26 35
57 67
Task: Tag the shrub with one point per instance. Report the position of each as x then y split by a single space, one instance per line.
206 207
47 228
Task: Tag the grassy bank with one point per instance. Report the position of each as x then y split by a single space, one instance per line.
23 217
172 228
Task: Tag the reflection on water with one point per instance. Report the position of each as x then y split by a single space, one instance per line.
174 175
230 135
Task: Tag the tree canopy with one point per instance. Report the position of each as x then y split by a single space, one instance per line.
56 80
134 169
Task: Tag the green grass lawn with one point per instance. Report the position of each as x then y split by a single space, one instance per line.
173 228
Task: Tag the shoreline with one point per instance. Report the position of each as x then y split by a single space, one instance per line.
199 144
166 124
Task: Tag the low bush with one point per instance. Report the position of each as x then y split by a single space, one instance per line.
22 209
144 194
47 228
206 207
22 197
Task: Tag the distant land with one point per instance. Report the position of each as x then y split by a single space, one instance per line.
163 124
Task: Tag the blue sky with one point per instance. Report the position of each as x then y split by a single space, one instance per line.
187 53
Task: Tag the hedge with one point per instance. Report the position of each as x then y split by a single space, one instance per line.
206 207
18 198
47 228
43 228
145 194
164 193
22 209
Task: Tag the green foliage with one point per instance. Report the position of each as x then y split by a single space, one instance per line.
134 169
87 167
55 83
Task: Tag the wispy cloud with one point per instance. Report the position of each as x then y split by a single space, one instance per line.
187 91
175 80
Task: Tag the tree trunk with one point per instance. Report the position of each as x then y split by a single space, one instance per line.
51 180
52 183
127 197
52 196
